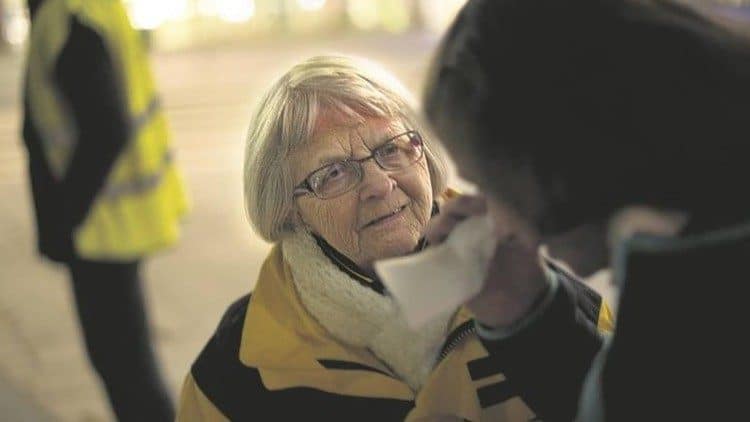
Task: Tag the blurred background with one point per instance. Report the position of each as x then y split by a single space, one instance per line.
212 60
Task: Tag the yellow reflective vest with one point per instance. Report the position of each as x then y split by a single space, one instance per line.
140 204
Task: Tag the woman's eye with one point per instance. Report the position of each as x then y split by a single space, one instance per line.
389 149
334 172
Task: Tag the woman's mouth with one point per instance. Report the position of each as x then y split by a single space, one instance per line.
385 218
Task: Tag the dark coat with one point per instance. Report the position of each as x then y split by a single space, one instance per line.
690 364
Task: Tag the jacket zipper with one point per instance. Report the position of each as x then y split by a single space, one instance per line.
455 338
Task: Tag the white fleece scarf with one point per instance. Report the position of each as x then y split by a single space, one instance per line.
359 316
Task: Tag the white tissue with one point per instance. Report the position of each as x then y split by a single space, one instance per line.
442 277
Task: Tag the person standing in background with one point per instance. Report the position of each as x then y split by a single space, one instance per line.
106 190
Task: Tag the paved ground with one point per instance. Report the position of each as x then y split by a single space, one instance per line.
18 406
209 95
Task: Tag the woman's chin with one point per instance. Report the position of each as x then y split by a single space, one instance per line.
392 246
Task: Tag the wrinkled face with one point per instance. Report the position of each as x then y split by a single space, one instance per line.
361 223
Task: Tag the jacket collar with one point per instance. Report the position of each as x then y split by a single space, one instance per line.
294 343
351 269
293 348
286 343
348 267
359 316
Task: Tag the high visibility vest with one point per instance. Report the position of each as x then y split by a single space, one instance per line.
143 198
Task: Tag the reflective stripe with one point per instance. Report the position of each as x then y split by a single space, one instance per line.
141 183
65 137
138 185
141 119
60 138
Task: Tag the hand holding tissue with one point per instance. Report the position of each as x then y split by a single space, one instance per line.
444 276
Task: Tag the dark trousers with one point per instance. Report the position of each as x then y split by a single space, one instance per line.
112 313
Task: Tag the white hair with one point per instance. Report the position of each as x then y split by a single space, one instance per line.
286 118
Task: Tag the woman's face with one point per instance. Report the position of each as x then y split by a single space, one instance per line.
353 222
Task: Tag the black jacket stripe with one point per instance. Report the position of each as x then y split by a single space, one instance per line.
495 393
346 365
482 368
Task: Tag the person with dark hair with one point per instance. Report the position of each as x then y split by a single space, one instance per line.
605 129
106 191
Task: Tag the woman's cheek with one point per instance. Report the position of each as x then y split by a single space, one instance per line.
342 224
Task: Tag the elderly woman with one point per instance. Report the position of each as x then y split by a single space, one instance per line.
339 173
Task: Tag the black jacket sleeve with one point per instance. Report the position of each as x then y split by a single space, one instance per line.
548 360
90 83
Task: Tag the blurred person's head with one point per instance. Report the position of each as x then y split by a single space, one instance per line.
569 112
335 149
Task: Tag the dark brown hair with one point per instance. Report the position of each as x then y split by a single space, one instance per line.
603 102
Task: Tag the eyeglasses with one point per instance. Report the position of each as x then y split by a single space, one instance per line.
335 179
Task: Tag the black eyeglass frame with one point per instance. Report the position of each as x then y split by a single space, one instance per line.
305 187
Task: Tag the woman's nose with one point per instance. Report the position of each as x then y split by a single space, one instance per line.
376 182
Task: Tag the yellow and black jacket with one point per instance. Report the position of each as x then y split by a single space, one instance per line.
271 360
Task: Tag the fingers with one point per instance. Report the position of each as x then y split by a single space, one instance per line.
513 283
453 212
